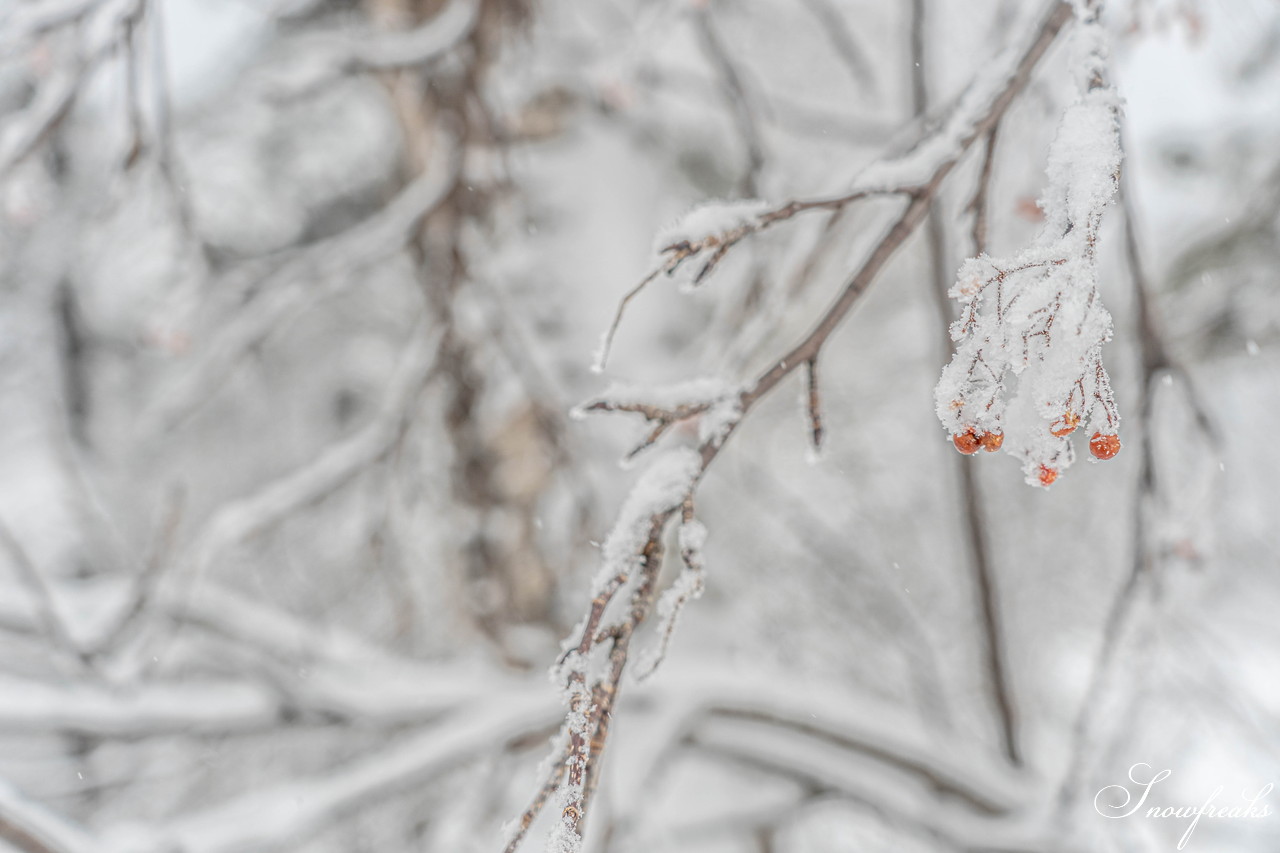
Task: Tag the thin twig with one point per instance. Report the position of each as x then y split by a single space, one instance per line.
554 774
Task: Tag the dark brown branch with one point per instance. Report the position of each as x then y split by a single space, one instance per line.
994 647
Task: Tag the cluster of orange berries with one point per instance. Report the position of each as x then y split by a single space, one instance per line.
968 442
1101 445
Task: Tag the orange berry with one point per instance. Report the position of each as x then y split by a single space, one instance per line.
1047 475
1104 446
966 442
1066 425
991 441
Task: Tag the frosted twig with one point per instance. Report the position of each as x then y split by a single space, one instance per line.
554 774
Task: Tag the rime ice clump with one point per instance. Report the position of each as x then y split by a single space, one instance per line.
1038 315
